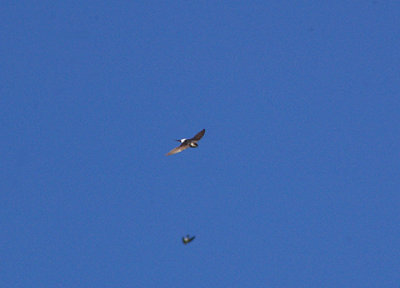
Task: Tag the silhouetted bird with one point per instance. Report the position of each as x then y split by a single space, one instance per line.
187 239
186 143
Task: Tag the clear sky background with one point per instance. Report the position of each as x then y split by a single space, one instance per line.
295 183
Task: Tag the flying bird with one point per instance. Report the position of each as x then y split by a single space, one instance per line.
186 143
187 239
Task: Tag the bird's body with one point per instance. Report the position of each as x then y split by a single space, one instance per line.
187 239
186 143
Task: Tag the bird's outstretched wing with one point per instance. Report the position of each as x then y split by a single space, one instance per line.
199 135
177 149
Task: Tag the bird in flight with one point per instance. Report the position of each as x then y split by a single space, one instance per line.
187 239
186 143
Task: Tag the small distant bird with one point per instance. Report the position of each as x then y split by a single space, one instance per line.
187 239
186 143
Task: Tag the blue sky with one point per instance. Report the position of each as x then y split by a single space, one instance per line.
295 183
